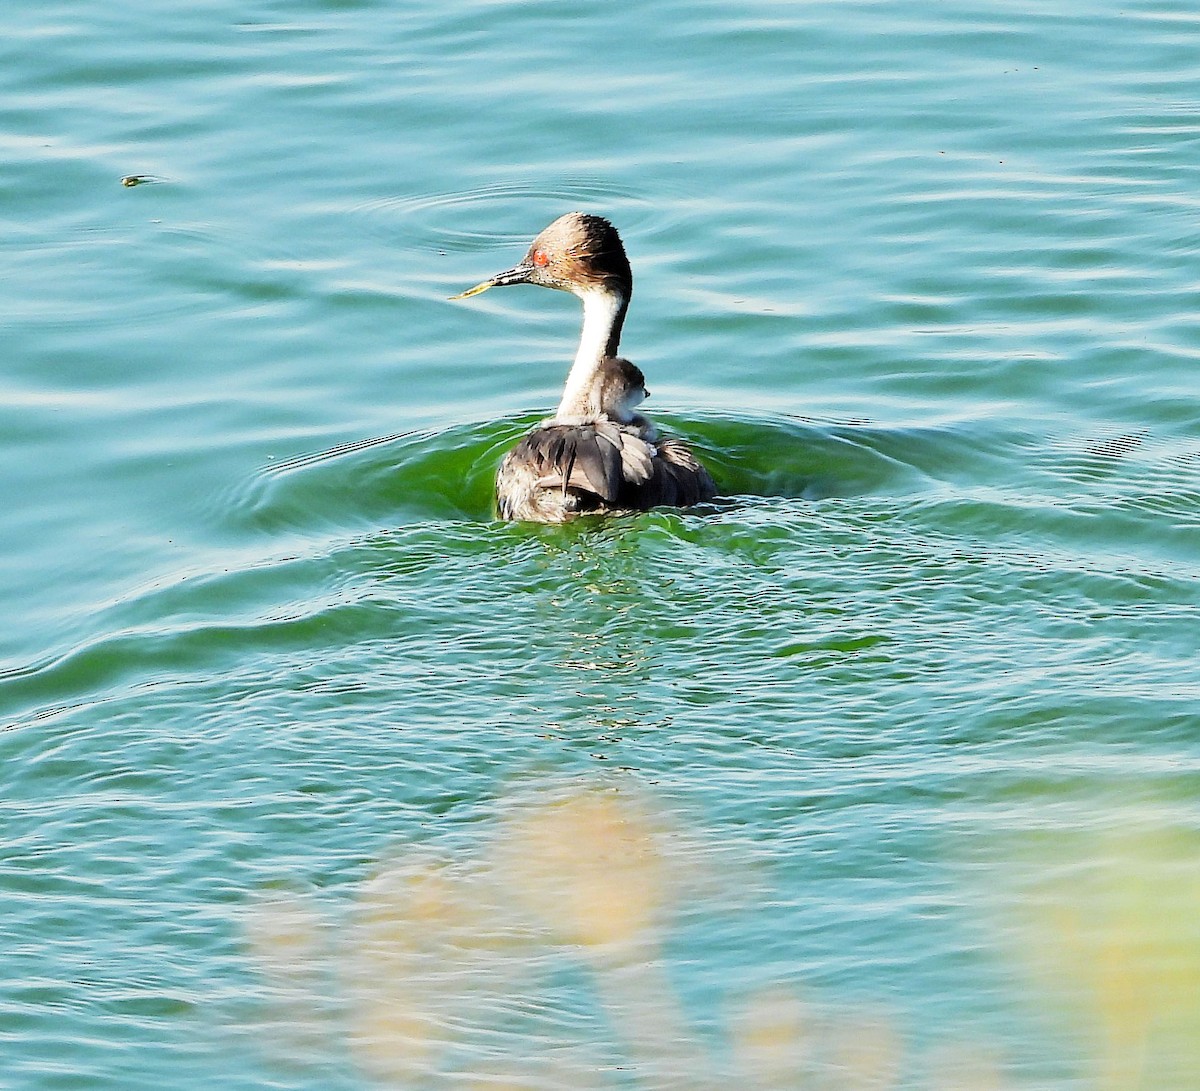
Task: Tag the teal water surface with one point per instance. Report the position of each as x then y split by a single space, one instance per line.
881 771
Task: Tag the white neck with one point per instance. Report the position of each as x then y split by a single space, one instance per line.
603 312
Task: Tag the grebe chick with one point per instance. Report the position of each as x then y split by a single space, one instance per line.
595 455
617 389
620 388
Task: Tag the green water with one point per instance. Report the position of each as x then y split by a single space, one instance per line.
882 771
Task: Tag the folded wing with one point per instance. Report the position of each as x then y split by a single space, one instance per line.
560 470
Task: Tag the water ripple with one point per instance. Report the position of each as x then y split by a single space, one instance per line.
470 221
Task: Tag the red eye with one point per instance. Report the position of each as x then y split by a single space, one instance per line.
541 258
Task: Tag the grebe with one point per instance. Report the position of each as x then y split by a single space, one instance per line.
595 455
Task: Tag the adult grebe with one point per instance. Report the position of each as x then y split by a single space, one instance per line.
595 454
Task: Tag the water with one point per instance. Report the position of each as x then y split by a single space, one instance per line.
880 772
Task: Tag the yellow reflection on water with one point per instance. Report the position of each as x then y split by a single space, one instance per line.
1111 928
439 975
589 864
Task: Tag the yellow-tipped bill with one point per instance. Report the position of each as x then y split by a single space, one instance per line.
476 290
518 274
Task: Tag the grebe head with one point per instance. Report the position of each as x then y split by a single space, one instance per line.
620 387
578 253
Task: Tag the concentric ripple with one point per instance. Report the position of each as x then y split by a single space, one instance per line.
499 215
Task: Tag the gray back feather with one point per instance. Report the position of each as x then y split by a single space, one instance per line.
600 458
560 470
